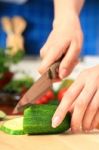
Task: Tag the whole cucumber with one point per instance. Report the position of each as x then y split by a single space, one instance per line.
38 120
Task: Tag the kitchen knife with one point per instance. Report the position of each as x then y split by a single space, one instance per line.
39 88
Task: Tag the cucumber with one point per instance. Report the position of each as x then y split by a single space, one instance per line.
37 120
2 115
13 126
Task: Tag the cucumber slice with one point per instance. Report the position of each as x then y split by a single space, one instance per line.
13 126
2 115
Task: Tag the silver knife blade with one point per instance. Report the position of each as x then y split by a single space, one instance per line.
35 92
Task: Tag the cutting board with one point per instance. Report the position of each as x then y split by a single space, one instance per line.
66 141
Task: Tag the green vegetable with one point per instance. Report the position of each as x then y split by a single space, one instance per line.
2 115
66 83
37 120
16 86
17 57
6 60
13 126
3 64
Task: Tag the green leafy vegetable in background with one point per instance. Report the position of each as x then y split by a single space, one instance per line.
17 57
6 60
16 86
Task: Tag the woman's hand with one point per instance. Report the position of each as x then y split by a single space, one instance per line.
65 39
82 98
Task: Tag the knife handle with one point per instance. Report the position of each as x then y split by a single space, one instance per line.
54 70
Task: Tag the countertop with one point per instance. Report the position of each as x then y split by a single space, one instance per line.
66 141
50 142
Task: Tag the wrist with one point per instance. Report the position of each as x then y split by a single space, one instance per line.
63 19
63 6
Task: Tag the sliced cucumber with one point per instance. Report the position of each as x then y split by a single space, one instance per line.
37 120
13 126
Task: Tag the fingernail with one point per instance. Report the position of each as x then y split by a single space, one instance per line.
63 73
55 121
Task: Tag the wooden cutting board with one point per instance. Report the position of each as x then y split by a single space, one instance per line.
67 141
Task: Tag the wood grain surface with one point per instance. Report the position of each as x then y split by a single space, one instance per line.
66 141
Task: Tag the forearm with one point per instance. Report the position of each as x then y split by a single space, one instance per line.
61 7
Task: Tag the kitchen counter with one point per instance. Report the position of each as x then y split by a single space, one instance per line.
66 141
50 142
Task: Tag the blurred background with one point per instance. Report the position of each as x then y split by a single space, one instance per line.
38 15
24 28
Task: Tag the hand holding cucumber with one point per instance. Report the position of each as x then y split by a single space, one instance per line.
82 99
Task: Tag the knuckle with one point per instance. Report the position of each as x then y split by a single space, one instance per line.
69 94
40 70
83 73
95 124
93 108
67 62
80 104
75 126
74 129
86 126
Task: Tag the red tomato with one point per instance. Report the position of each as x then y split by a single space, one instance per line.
38 101
50 94
61 93
42 100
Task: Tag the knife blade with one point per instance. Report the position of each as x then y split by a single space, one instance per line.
39 88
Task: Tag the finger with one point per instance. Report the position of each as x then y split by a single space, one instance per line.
67 101
55 52
69 60
71 109
44 51
81 105
95 121
90 112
